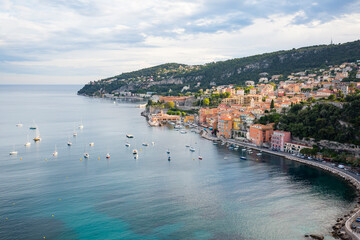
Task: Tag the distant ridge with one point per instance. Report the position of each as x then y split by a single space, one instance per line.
236 71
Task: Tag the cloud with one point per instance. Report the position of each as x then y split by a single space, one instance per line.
104 38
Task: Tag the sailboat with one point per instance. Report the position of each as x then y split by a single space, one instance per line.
19 124
81 126
200 157
37 137
34 126
69 143
28 143
13 152
55 153
91 144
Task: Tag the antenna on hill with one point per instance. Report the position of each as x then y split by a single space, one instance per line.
331 43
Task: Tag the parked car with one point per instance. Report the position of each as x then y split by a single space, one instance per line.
341 166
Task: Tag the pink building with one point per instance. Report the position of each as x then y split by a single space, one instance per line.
279 138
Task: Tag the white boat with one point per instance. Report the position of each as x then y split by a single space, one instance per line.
127 144
259 154
55 153
183 132
107 155
34 126
187 145
13 153
81 126
28 143
171 123
91 144
153 143
69 143
145 144
168 151
244 149
74 134
192 149
19 125
86 155
135 151
129 136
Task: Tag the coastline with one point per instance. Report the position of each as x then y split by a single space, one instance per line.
342 228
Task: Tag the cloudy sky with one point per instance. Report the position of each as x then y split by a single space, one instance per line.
76 41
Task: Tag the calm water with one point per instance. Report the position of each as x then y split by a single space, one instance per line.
220 197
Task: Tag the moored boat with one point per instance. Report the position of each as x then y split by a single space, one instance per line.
129 136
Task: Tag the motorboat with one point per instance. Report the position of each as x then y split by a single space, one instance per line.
187 145
69 143
91 144
183 132
135 151
55 153
107 156
19 125
168 151
200 157
192 149
86 155
259 154
127 144
145 144
129 136
81 126
243 158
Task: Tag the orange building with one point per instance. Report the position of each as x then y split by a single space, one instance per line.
225 126
207 112
159 117
260 134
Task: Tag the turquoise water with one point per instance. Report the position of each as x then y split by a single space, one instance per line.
220 197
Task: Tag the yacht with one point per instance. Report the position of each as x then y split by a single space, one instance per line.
69 143
33 127
74 134
55 153
200 157
129 136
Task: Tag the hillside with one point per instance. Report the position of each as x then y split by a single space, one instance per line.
236 71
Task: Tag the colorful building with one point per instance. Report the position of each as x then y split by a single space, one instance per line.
225 126
294 147
278 140
260 134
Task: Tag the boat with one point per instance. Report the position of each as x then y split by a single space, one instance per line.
215 143
153 143
74 134
243 158
129 136
244 149
33 127
171 123
28 143
91 144
200 157
192 149
187 145
236 148
86 155
169 158
13 153
183 132
81 126
178 127
223 143
145 144
19 125
259 154
107 155
69 143
168 151
55 153
127 144
135 151
37 137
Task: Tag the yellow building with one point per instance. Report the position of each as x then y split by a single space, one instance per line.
189 119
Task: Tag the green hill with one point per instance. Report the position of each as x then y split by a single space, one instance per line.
235 71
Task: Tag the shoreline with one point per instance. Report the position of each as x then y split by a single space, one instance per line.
342 227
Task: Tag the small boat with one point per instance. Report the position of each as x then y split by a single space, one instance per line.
86 155
244 149
236 148
153 143
13 152
69 143
74 134
215 143
243 158
91 144
136 156
169 158
200 157
223 143
55 153
81 126
183 132
168 151
107 155
259 154
192 149
127 144
135 151
171 123
145 144
33 127
187 145
28 143
37 137
129 136
19 125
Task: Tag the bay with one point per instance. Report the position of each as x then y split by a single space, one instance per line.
220 197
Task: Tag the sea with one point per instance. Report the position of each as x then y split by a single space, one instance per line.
71 197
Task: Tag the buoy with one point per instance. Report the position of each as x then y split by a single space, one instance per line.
52 215
98 158
21 158
59 199
45 159
13 203
193 158
80 159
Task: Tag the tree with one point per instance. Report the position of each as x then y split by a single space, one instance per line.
272 104
206 102
332 97
170 104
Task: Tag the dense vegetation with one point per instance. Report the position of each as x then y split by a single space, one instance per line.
321 121
235 71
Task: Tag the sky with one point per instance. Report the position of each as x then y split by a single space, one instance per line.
78 41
